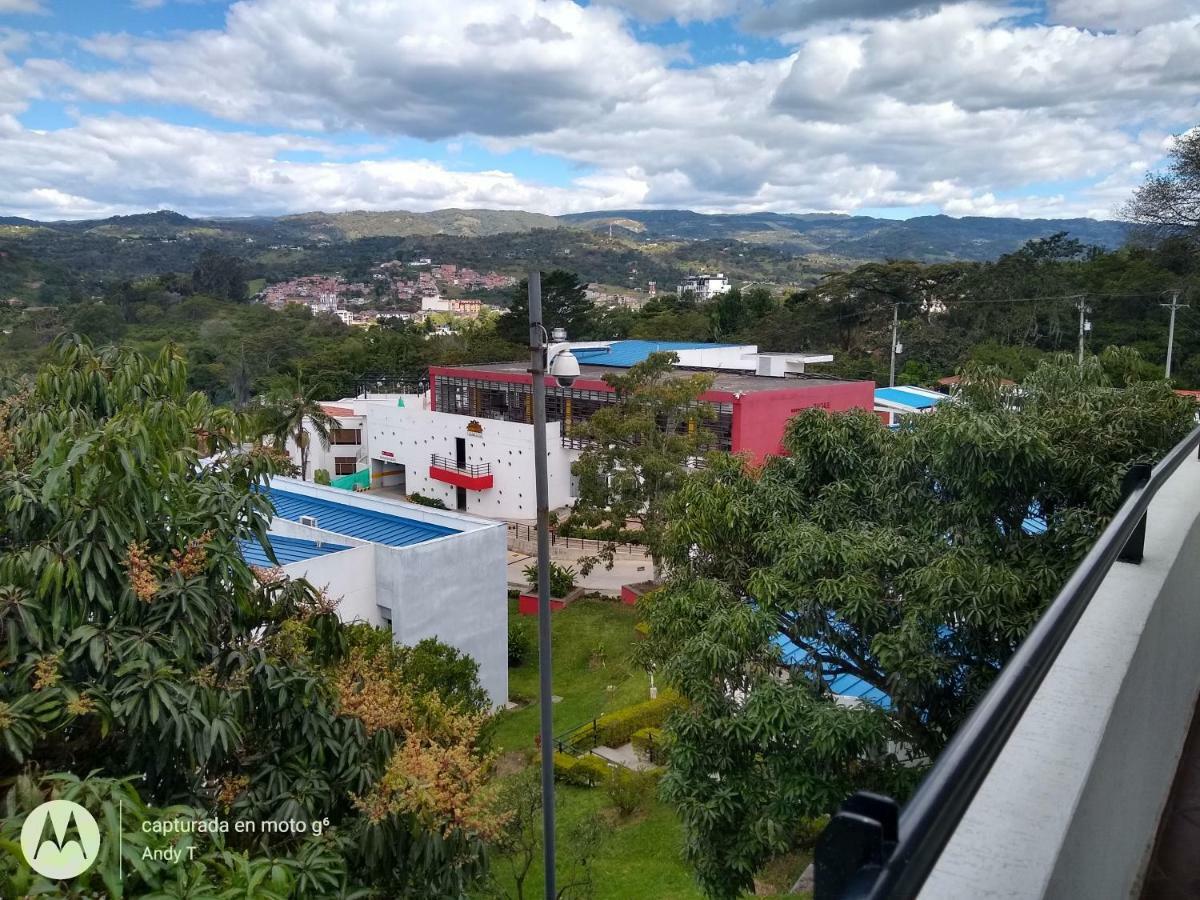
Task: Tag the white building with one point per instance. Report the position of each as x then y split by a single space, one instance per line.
468 442
420 572
703 286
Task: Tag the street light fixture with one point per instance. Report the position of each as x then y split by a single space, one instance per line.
564 367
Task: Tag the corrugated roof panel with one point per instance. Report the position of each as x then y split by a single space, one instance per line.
912 399
839 685
287 550
365 524
623 354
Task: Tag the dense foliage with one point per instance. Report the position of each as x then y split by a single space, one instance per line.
139 651
636 453
911 562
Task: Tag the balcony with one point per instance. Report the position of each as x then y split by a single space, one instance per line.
1077 772
473 477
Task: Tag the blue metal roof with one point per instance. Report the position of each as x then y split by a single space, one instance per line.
623 354
355 521
839 685
901 397
287 550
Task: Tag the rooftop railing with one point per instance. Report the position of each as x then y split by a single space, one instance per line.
474 469
872 849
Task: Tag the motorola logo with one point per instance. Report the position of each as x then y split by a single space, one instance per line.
60 839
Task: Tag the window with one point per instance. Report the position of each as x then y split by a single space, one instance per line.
345 465
343 436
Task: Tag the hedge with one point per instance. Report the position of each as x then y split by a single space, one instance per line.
648 742
617 727
585 771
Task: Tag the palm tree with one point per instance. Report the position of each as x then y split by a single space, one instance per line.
293 411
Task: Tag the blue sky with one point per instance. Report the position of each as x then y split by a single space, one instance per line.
879 107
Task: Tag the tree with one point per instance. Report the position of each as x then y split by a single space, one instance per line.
637 452
521 841
135 642
564 305
292 411
98 322
1168 203
900 561
220 276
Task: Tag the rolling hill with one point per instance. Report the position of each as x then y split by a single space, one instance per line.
822 236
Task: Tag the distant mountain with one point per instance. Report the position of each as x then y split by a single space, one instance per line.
456 222
820 236
928 238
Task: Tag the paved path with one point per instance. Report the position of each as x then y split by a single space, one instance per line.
600 580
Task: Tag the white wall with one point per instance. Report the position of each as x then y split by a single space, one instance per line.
414 435
348 574
737 358
1071 806
321 457
454 589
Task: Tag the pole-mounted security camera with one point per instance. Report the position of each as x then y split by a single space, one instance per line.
565 367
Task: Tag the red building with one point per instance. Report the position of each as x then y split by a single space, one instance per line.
751 411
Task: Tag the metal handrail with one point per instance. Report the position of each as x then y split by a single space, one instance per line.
451 465
908 854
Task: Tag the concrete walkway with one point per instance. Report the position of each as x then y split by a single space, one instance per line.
624 755
601 580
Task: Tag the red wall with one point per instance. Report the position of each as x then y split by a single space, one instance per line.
760 418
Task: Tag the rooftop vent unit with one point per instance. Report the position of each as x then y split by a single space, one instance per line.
310 521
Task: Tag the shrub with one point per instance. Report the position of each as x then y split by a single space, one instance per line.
617 727
629 790
422 500
648 742
321 476
520 646
562 579
584 771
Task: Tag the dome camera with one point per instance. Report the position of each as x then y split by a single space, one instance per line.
565 368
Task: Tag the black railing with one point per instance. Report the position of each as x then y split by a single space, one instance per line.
451 465
524 532
578 740
871 850
390 383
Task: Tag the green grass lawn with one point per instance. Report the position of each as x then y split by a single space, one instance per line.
640 857
592 644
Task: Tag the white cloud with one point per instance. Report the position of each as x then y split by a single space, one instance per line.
429 70
1119 15
117 165
22 6
954 108
679 10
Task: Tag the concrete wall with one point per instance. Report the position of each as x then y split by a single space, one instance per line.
1072 805
454 589
412 436
760 418
348 575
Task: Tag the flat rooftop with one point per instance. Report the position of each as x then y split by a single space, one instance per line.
723 380
352 520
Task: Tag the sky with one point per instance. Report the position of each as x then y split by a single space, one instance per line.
883 107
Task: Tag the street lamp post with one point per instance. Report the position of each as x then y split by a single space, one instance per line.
565 368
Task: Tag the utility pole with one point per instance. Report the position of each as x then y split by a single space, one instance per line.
895 336
1174 305
1084 325
537 368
